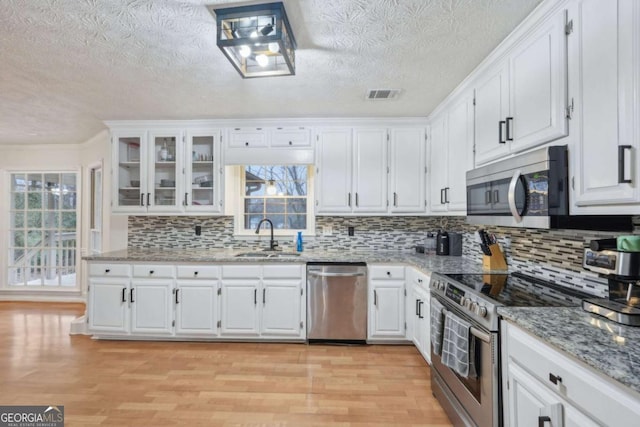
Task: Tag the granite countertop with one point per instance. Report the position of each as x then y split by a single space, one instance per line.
428 263
608 347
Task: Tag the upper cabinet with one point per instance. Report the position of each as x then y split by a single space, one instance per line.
269 146
604 80
166 170
370 170
451 156
521 99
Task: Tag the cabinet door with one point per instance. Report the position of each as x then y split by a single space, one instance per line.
333 179
601 81
370 170
196 308
530 401
239 308
407 169
248 138
165 154
460 156
538 87
491 111
109 305
438 159
203 173
281 311
129 170
151 306
387 309
422 331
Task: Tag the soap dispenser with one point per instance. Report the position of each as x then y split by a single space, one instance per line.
299 242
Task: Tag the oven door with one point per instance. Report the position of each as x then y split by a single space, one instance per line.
477 397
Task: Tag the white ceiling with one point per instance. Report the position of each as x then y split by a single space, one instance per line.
67 65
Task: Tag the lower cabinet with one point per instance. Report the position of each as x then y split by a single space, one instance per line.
232 301
545 387
386 304
417 310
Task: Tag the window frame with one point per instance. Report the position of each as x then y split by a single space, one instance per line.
7 263
239 215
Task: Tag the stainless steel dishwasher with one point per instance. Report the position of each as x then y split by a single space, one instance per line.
337 302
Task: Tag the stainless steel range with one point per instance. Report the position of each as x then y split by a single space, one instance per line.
475 400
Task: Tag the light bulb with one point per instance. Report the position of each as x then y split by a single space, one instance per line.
245 51
253 34
262 60
271 188
274 47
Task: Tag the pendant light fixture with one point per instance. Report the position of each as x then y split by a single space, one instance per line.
257 39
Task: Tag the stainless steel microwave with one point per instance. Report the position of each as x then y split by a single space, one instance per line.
531 190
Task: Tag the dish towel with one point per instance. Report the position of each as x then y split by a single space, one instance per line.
437 325
458 351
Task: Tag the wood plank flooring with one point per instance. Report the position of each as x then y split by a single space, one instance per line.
130 383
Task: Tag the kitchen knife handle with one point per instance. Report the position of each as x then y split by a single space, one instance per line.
621 171
508 126
500 139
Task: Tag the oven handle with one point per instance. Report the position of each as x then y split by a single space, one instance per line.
482 336
511 197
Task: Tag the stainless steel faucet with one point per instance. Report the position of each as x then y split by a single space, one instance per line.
272 243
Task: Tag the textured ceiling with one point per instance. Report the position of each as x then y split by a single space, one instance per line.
67 65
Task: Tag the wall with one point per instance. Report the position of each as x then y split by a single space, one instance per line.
550 254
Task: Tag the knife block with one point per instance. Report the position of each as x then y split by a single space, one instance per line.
496 261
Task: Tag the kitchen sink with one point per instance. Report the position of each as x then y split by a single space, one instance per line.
267 255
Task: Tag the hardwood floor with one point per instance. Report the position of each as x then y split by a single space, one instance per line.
126 383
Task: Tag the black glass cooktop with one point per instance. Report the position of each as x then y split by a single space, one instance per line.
519 290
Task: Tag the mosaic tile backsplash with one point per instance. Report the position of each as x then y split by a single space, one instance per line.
551 254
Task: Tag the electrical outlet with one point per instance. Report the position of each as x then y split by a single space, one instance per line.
327 230
198 230
351 231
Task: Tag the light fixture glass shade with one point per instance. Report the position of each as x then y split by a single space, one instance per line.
265 29
271 188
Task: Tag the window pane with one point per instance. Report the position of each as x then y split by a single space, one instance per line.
19 183
52 181
51 219
254 188
34 239
69 201
297 205
275 206
254 206
34 201
34 182
17 219
51 238
16 256
34 219
68 220
252 221
18 238
297 222
16 276
279 221
17 201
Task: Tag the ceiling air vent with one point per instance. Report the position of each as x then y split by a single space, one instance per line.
380 94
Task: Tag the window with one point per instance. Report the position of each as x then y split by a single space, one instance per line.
42 240
279 193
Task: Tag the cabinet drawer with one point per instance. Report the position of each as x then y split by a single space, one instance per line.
109 270
153 271
291 138
386 272
283 271
240 271
600 397
247 138
198 272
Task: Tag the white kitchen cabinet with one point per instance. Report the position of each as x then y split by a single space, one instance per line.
417 311
543 381
407 170
108 298
386 303
239 315
604 72
370 170
248 138
196 300
281 308
268 145
334 156
203 172
160 169
521 100
491 110
150 299
451 156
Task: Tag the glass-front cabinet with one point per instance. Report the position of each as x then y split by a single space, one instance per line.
203 171
166 170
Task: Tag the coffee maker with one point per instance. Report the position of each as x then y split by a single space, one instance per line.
622 270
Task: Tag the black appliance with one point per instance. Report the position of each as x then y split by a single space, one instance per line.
475 298
442 243
531 190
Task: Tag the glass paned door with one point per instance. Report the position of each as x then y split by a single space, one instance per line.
130 179
202 183
42 231
163 181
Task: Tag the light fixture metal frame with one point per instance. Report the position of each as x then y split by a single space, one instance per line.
277 36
